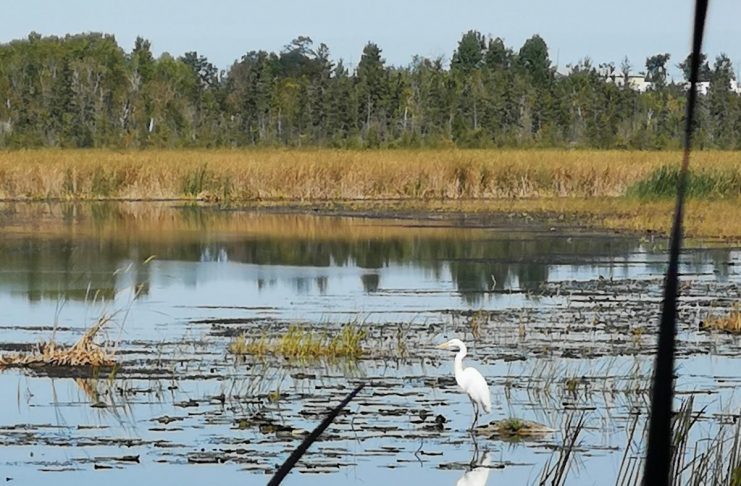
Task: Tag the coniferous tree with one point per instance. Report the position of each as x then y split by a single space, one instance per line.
86 91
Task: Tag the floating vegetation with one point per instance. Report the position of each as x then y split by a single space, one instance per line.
303 342
730 322
85 352
513 428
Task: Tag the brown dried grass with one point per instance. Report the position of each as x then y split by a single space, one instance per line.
730 323
85 352
323 174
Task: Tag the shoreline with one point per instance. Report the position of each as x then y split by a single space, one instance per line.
609 189
704 220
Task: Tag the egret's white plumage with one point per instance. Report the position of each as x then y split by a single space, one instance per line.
469 380
478 475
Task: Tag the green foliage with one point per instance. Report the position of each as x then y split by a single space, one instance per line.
533 58
86 91
736 478
470 52
656 68
512 425
704 72
662 183
302 342
101 183
197 181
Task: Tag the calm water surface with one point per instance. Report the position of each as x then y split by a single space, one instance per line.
196 269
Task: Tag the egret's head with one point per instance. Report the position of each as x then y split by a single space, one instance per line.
453 345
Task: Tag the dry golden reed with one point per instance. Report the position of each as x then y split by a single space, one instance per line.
579 183
322 174
730 323
84 352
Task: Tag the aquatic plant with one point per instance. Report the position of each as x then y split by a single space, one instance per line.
513 428
556 474
85 352
710 460
304 342
241 345
476 321
730 322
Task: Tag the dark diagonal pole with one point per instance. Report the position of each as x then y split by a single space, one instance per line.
284 469
659 455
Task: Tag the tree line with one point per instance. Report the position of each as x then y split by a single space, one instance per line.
86 91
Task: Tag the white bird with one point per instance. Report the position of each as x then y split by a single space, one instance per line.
478 475
469 380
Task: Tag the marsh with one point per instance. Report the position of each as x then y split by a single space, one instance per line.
560 320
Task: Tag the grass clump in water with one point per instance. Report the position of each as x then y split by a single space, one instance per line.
302 342
513 428
85 352
662 183
730 322
240 345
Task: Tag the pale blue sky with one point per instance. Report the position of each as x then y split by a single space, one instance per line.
224 30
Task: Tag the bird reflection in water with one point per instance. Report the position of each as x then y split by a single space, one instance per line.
478 472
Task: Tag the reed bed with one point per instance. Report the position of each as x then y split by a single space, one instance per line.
302 342
730 323
321 174
701 183
85 352
622 190
696 459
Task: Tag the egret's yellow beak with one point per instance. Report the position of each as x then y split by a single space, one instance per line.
443 346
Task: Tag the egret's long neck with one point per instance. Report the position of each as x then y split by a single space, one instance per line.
458 364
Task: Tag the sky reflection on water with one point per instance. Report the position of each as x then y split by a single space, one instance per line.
70 263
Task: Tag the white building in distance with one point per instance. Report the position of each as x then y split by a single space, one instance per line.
636 82
703 87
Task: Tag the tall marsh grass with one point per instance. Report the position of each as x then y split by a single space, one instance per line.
730 323
322 174
302 342
696 459
701 183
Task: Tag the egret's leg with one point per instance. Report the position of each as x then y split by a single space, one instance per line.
473 406
475 415
475 458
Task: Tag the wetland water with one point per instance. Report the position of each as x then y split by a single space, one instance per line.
559 320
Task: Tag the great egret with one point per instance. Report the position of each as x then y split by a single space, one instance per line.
469 380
